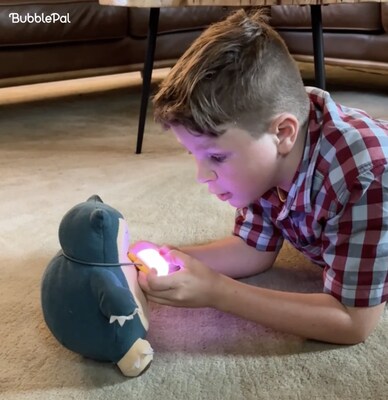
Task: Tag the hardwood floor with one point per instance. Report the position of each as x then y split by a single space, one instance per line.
347 77
43 91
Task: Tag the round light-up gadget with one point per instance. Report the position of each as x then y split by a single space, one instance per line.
153 259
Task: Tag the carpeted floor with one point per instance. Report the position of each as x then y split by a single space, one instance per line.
56 153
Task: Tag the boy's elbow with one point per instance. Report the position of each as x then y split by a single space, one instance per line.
363 322
351 336
358 336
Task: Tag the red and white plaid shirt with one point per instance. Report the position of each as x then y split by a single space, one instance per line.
336 212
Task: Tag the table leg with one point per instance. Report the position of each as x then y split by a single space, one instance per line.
147 74
319 60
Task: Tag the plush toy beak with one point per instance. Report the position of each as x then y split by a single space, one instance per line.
138 263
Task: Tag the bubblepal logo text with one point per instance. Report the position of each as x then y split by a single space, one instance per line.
41 18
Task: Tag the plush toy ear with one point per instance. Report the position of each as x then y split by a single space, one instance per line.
96 198
99 218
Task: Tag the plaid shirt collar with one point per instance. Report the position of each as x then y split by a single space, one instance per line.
299 196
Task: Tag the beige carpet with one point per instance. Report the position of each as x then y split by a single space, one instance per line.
54 154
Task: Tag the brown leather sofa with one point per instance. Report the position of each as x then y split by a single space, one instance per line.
92 39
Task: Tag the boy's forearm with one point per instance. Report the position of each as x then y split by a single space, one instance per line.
316 316
232 257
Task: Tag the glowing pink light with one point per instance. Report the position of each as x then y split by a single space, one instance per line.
153 259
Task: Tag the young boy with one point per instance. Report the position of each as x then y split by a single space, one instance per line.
297 166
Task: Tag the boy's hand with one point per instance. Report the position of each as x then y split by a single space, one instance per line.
192 286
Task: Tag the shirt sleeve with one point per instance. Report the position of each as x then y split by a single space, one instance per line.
355 244
254 224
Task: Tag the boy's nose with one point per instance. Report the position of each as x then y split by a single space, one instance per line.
205 174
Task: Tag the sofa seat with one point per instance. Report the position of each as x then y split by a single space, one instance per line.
354 34
88 21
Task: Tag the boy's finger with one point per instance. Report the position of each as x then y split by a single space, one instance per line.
161 300
166 249
176 257
143 282
161 283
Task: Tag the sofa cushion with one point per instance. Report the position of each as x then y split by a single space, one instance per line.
21 22
341 46
384 16
341 17
175 19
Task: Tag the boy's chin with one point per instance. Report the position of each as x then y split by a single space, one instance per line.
238 203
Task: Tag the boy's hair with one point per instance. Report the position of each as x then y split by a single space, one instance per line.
237 72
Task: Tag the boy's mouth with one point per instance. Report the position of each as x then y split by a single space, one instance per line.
224 196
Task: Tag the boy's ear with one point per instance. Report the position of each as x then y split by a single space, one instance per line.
285 126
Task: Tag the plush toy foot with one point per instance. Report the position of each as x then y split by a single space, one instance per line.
137 358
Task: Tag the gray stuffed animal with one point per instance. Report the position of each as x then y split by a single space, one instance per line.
90 296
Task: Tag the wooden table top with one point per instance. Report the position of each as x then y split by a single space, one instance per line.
193 3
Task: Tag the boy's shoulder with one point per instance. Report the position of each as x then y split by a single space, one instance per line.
346 133
347 142
335 118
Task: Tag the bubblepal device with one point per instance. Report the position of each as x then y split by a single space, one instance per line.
147 259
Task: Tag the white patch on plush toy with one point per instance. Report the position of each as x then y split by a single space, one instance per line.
122 318
123 240
146 352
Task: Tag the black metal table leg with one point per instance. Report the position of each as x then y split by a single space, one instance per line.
319 61
153 23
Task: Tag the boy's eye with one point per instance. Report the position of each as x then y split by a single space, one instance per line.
218 158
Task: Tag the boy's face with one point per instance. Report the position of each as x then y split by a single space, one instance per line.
235 166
